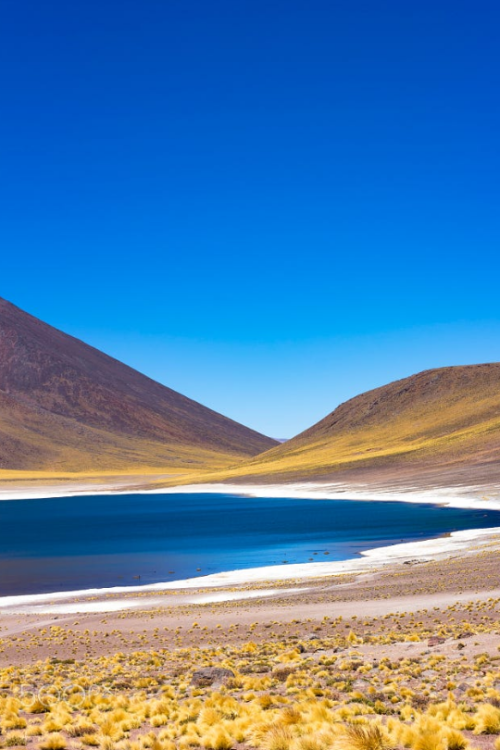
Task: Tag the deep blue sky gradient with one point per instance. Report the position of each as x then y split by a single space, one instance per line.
269 206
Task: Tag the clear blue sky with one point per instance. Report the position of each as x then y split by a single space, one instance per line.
269 206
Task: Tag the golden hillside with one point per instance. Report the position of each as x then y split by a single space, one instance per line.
65 406
442 425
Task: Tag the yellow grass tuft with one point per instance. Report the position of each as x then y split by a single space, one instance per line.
362 737
487 720
53 742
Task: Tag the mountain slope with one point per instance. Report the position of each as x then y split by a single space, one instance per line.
442 426
67 406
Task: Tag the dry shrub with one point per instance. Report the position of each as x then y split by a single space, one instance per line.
91 740
290 715
53 742
217 739
81 728
429 740
277 737
487 720
454 739
362 737
315 741
14 740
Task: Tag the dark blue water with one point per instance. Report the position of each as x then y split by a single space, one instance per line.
118 540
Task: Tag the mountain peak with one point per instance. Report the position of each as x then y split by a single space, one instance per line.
440 427
65 405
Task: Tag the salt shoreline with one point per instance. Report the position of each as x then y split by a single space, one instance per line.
480 497
458 542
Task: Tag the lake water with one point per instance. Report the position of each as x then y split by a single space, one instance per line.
63 544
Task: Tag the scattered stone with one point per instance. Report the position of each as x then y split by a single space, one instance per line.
210 675
257 668
281 673
435 640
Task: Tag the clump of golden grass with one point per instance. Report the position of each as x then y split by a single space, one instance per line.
363 737
487 720
53 742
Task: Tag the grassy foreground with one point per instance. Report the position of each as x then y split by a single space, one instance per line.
363 684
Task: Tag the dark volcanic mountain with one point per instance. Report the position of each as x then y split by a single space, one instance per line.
67 406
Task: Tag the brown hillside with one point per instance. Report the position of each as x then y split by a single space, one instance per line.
67 406
441 427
